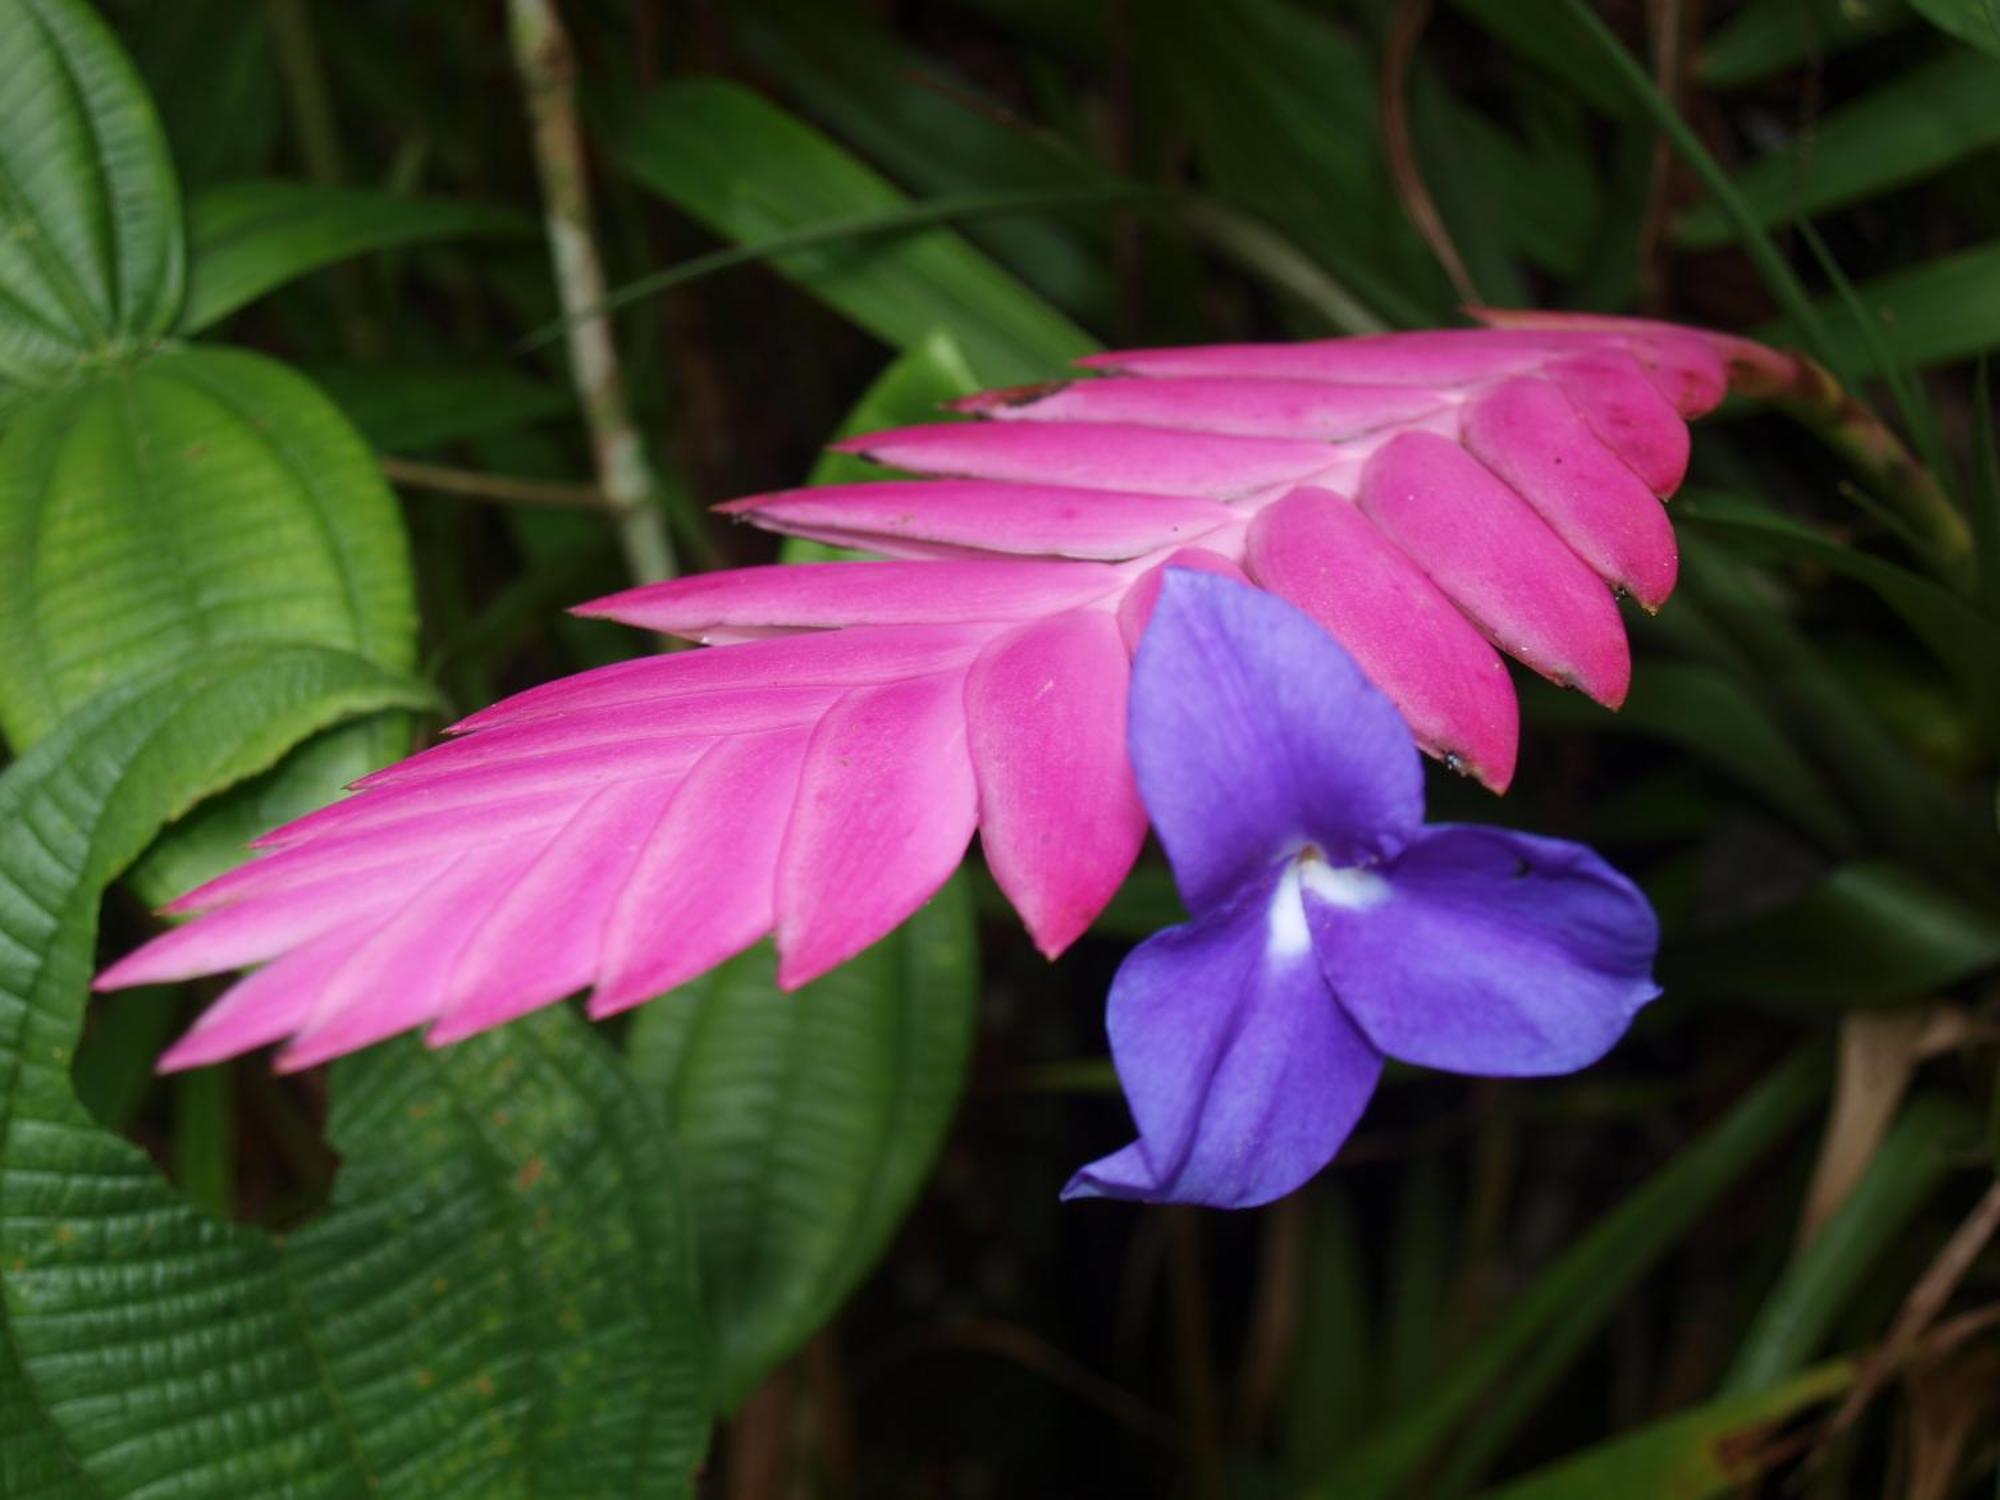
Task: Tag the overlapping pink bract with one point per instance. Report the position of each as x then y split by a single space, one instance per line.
1432 499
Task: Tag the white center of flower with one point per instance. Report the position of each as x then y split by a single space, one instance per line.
1348 887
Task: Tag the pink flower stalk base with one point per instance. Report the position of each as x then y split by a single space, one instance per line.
1431 499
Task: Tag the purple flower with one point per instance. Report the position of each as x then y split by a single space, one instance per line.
1331 928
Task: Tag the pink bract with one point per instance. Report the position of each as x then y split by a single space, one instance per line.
1432 499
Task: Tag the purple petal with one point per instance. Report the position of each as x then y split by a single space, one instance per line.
1254 734
1243 1074
1494 953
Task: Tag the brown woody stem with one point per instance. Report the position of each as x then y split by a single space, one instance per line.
547 66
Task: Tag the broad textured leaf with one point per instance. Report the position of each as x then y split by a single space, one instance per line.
808 1122
91 260
1703 1454
1909 128
498 1301
1974 21
247 238
1432 499
749 171
1500 1378
199 498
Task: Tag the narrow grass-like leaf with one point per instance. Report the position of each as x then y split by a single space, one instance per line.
935 133
1769 36
1868 934
1974 21
1964 641
248 238
1714 715
1280 107
753 173
1984 491
1945 309
1778 275
498 1302
1898 799
1508 1371
1918 123
91 260
1793 1323
808 1121
1703 1454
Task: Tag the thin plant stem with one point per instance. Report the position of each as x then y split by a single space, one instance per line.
506 489
547 65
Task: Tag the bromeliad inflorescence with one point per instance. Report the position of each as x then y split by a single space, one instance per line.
1331 928
1430 500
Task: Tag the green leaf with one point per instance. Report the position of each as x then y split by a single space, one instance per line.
91 260
1963 640
1974 21
411 409
498 1301
1769 36
1502 1376
808 1121
209 67
1776 271
931 130
910 390
1541 32
1713 714
1796 1318
751 172
247 238
1870 933
1917 124
196 499
1281 109
1947 308
1703 1454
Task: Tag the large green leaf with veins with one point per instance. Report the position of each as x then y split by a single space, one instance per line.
91 259
809 1121
499 1300
195 499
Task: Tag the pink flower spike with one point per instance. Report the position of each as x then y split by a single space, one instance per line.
1317 550
819 771
1628 414
824 595
1033 520
1499 562
886 806
1528 434
1059 814
1244 407
1094 455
